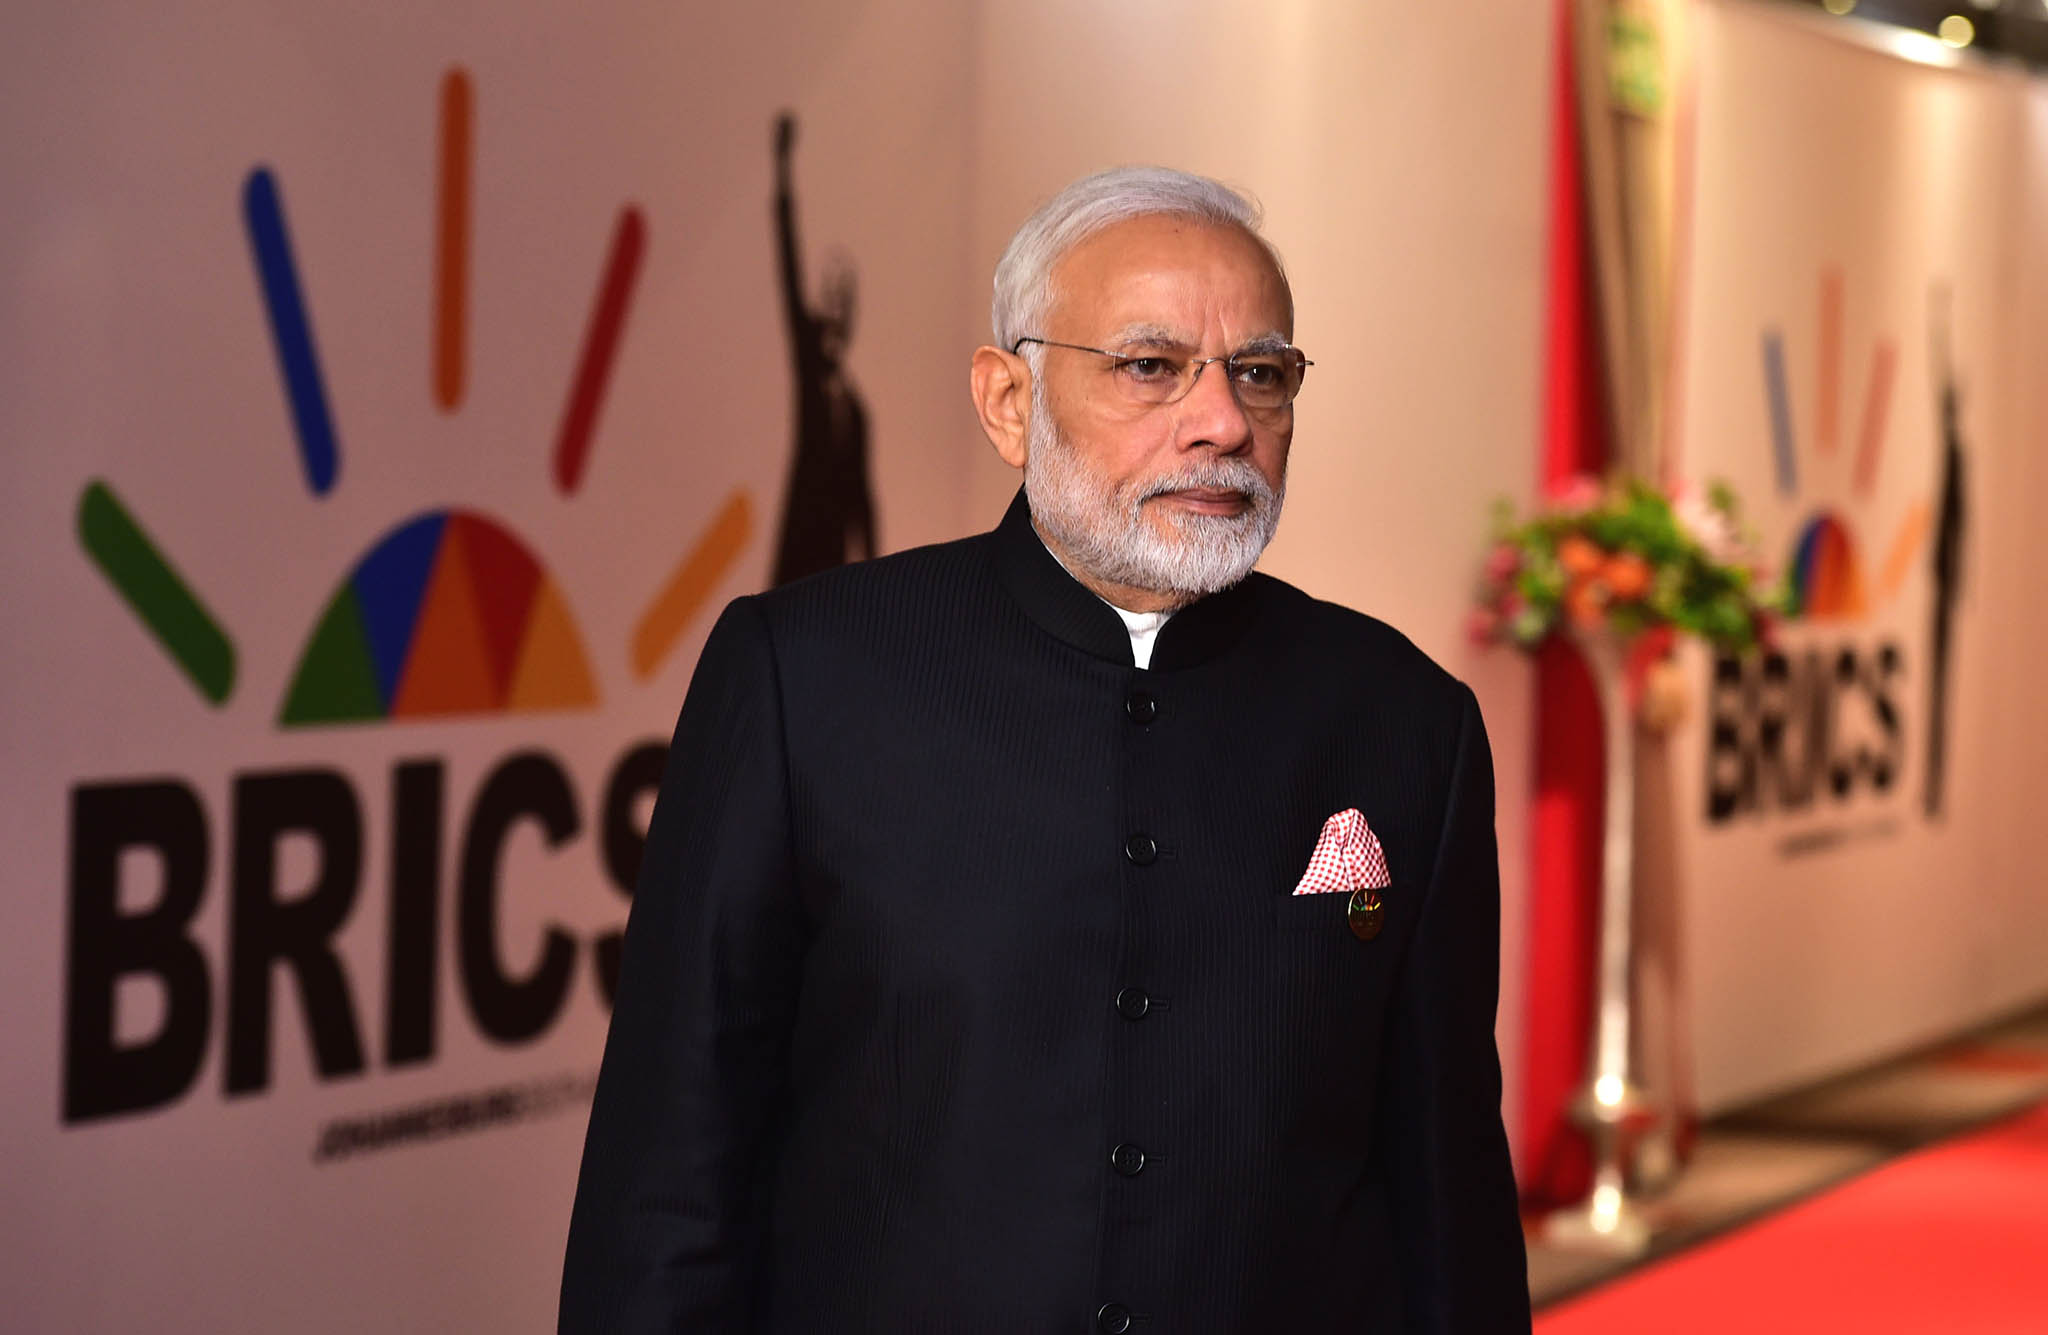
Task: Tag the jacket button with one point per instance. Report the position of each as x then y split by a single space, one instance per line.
1112 1319
1141 707
1132 1003
1128 1160
1140 849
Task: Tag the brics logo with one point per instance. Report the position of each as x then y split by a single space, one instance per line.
448 614
1825 570
1807 725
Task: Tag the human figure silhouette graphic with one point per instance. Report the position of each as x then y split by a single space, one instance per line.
828 512
1950 527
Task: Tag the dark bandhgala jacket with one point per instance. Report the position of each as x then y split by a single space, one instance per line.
964 988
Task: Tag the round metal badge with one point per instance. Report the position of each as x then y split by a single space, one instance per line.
1365 913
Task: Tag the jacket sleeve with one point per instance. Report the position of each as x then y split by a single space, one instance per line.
670 1210
1457 1229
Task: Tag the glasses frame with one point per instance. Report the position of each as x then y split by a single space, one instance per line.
1201 364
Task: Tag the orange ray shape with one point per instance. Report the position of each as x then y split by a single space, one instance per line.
1905 546
682 597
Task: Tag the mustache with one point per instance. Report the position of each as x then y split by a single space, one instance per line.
1217 474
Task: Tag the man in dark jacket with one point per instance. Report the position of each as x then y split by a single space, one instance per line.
1065 929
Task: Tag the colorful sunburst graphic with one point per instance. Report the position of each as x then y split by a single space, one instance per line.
1808 726
1825 566
450 612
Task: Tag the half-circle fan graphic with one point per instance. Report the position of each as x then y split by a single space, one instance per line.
448 614
1827 580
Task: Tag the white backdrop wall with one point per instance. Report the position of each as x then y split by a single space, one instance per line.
1832 925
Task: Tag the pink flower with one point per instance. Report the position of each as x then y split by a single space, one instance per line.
1710 528
1581 491
1480 625
1504 561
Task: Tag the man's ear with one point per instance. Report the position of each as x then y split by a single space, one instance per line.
1001 384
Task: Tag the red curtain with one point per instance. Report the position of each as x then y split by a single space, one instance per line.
1565 862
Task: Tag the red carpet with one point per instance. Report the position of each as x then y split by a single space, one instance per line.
1952 1239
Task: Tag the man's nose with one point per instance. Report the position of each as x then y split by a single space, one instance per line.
1211 415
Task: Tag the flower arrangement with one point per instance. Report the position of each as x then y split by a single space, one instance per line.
1620 555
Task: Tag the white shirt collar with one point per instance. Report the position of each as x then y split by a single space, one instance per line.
1142 626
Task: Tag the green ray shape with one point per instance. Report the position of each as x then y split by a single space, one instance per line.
155 592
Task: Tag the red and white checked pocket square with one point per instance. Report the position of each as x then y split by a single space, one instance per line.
1348 857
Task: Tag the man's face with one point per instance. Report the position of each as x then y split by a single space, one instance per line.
1174 499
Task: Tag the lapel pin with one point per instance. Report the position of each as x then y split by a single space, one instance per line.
1365 913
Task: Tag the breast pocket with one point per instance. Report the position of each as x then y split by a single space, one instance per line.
1332 912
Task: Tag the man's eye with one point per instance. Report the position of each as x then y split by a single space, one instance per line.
1263 374
1147 368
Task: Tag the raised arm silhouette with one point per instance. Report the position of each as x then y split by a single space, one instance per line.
828 511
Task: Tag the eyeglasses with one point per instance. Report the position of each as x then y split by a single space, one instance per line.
1264 379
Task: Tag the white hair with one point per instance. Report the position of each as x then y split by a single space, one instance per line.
1023 281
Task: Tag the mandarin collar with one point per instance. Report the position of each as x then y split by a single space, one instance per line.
1069 611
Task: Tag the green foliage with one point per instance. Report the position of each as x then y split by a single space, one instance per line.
1621 557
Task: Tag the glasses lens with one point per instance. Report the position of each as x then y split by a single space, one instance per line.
1150 379
1267 379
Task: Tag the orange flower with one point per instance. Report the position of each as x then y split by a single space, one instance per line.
1580 555
1627 574
1585 602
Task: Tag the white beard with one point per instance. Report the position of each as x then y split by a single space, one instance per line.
1103 530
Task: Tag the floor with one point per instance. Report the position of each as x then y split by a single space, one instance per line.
1757 1159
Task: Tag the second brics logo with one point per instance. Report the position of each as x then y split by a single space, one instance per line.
1825 719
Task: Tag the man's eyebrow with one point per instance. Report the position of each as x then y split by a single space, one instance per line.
1166 340
1265 343
1150 336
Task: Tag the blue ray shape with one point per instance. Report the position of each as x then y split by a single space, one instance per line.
290 329
1781 412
